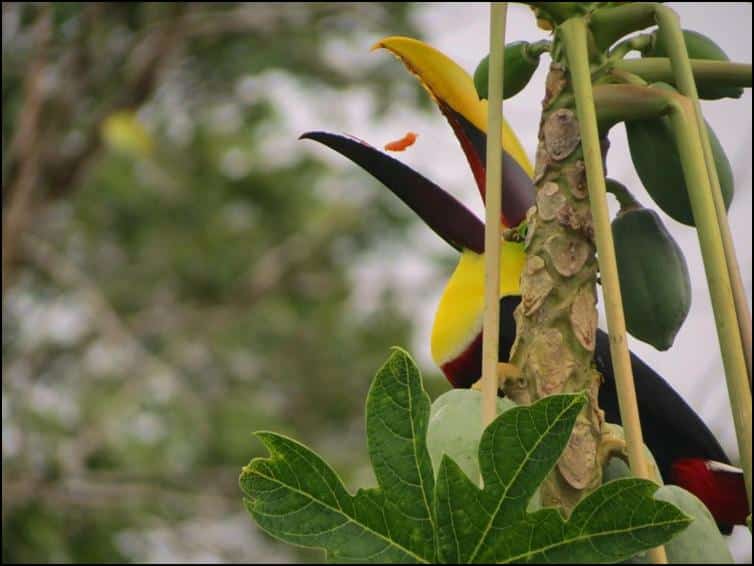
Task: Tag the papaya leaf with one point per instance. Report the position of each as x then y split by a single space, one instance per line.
516 453
411 518
613 523
295 496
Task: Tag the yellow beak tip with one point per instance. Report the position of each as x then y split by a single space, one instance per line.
450 85
391 42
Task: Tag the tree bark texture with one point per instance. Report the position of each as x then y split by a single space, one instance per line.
556 320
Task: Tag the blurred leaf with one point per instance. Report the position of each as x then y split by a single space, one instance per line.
124 132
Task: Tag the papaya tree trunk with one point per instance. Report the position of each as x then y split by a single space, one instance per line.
557 319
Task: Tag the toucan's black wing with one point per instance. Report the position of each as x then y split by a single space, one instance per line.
671 429
507 327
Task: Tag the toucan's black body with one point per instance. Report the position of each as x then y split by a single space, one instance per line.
671 429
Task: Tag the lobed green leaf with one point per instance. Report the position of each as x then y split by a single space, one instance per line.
411 517
614 522
296 497
516 453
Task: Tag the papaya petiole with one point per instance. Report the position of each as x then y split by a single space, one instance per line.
706 73
613 22
625 198
732 316
574 34
716 268
636 43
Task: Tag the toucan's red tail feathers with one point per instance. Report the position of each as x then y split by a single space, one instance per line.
721 489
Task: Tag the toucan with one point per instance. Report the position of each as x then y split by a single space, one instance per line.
686 451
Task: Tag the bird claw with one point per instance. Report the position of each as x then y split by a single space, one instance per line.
510 383
612 445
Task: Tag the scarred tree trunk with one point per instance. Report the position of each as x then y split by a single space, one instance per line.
557 318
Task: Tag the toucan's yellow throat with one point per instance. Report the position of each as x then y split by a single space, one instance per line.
459 314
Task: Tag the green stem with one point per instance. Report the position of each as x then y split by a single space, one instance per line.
557 11
636 43
536 49
574 35
687 86
624 77
625 198
722 73
622 102
491 328
610 24
619 103
711 221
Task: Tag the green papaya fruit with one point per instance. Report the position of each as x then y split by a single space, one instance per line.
455 428
518 68
654 279
701 542
658 164
699 47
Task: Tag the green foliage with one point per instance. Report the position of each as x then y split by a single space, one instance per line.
294 495
516 453
700 543
297 497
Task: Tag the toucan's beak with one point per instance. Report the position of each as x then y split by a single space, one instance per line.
450 219
453 90
456 338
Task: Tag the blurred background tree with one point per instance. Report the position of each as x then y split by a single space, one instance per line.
175 275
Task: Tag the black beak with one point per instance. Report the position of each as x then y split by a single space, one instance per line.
444 214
